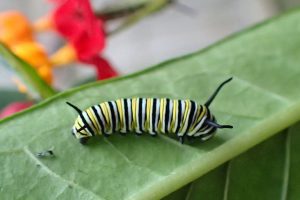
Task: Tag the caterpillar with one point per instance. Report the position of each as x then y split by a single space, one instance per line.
184 118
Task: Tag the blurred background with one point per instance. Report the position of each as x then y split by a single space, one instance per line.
174 29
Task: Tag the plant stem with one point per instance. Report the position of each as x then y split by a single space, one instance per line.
150 8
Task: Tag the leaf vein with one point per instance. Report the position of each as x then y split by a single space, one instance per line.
271 93
126 158
286 169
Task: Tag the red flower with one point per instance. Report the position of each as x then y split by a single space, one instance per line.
104 69
13 108
75 21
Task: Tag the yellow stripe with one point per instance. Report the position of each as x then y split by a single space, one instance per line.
94 121
77 125
105 114
202 113
133 105
187 107
200 116
137 105
108 111
174 113
120 110
161 115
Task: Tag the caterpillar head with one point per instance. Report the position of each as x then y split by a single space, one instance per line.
206 131
210 125
80 129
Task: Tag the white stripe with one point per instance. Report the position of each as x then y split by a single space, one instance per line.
116 115
183 107
198 126
143 113
208 136
129 109
186 122
157 114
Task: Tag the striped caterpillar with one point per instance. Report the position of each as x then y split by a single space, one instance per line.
185 118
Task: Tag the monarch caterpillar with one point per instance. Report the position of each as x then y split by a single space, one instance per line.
185 118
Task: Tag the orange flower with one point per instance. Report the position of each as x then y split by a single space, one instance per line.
64 55
14 28
17 33
34 54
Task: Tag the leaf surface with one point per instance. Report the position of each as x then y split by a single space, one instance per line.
267 171
262 100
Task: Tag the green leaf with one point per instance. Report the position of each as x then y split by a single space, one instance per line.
262 100
26 72
267 171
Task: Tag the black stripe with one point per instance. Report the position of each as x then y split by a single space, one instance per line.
140 113
145 116
201 110
98 118
208 114
105 120
179 118
126 120
113 117
79 130
86 124
211 116
154 115
167 113
191 116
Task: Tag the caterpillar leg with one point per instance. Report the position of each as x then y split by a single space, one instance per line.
138 134
106 135
153 134
181 139
122 134
83 141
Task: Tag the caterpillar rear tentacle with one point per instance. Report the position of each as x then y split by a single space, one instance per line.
184 118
